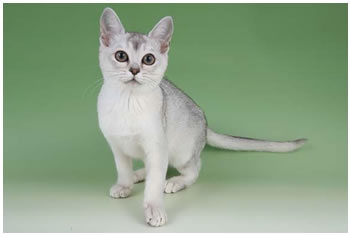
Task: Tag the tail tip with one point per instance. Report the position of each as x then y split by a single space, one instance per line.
300 142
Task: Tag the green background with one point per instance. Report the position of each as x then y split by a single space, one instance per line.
273 71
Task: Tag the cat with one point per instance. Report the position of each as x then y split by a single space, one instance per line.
142 115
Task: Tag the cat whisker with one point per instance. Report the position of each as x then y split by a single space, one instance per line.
93 86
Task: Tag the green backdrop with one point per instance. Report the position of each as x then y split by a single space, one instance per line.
273 71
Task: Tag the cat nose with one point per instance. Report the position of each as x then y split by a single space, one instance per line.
134 70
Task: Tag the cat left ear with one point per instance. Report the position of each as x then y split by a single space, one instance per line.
109 25
163 32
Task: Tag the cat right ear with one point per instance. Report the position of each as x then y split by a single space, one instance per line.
109 25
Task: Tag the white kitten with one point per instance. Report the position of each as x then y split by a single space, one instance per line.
144 116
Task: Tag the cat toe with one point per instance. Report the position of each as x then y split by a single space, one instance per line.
173 186
155 216
119 191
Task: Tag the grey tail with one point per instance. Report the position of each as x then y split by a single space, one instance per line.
248 144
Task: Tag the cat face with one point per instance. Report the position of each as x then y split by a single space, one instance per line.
133 61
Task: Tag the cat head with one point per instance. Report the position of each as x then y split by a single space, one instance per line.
133 61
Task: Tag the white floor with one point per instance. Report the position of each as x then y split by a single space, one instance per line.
205 207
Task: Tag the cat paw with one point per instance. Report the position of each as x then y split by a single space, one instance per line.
174 185
119 191
139 175
155 216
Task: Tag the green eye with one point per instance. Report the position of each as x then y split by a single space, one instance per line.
148 59
121 56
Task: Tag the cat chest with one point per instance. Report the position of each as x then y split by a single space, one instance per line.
128 118
118 123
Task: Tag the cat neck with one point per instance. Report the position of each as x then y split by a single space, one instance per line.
126 98
132 89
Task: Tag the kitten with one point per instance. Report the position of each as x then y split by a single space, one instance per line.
143 115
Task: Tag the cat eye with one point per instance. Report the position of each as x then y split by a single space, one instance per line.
148 59
121 56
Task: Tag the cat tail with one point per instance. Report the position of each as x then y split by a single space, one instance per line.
248 144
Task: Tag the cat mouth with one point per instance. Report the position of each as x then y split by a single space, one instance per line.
132 81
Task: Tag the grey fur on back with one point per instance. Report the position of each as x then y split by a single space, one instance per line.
174 96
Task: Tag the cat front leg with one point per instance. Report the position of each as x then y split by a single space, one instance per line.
125 180
156 164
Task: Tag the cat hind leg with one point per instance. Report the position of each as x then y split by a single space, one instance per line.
188 175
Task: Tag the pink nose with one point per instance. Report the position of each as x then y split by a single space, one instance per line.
134 71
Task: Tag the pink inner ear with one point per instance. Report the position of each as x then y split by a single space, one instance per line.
104 37
105 40
164 46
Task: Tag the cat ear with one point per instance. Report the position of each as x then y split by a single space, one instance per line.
109 25
163 32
